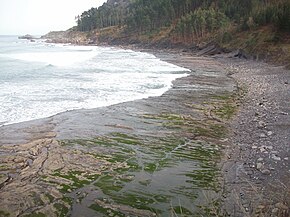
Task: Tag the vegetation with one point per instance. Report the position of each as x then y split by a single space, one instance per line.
186 17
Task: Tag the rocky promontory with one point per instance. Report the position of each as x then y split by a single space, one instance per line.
69 36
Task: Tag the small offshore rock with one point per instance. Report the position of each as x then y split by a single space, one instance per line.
266 172
281 206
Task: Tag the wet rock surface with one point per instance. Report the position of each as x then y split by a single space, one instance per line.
160 156
152 157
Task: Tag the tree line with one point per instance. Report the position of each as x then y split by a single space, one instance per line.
186 18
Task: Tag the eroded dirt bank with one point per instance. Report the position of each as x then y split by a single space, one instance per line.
159 156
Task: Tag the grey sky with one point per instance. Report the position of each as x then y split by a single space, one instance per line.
38 17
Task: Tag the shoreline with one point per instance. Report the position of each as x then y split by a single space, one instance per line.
125 117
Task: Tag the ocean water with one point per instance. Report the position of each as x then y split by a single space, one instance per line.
39 80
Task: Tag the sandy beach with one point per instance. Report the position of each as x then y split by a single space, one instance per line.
219 137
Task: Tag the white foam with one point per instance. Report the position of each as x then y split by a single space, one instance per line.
87 77
54 58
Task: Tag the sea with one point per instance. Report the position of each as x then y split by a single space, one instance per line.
39 79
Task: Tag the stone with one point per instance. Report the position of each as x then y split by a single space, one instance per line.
263 135
259 166
261 124
281 206
275 210
269 133
286 158
275 157
266 172
260 159
254 147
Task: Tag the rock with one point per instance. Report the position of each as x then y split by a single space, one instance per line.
269 133
259 166
262 149
270 147
275 210
266 172
260 159
275 157
261 124
281 206
263 135
254 147
27 36
286 158
241 54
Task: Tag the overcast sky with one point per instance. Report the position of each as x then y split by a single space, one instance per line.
37 17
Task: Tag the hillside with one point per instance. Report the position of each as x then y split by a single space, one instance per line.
257 27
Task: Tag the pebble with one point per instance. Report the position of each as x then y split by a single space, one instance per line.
275 210
260 159
281 206
263 135
261 124
261 207
286 158
259 166
269 133
275 157
266 172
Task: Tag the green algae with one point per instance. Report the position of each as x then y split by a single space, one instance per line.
150 167
49 197
106 211
182 211
131 156
35 214
61 209
77 181
108 184
4 214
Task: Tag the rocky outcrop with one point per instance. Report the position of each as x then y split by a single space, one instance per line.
69 36
27 36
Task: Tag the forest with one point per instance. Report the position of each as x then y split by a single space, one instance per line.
186 18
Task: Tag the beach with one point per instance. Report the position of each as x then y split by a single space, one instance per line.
217 138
